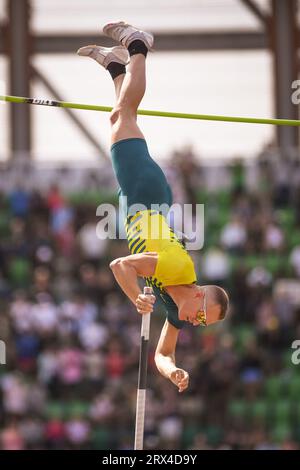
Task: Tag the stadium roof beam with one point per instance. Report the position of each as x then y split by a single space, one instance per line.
171 41
283 38
254 8
19 50
285 43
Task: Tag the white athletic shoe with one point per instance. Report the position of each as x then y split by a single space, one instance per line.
125 34
105 55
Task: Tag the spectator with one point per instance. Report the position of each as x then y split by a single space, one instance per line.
215 267
274 238
234 236
295 260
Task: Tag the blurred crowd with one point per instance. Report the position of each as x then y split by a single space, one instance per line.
72 338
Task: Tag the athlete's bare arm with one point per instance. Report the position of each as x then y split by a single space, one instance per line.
127 270
165 357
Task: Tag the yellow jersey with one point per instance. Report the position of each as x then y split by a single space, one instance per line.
148 231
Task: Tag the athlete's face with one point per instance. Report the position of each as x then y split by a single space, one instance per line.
198 309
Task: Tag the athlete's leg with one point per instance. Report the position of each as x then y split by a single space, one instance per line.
118 82
140 179
129 96
130 89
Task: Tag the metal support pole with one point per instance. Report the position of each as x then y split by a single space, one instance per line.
19 75
284 45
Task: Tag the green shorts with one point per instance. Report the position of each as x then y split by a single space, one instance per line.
140 178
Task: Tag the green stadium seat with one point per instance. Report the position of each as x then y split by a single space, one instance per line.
188 434
214 435
286 218
223 198
211 239
287 362
294 387
280 433
242 335
238 409
273 263
259 410
223 217
296 433
19 272
252 261
4 223
296 412
202 197
55 410
235 262
273 387
281 411
77 408
293 238
100 438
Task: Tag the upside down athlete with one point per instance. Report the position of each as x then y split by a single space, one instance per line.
159 256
